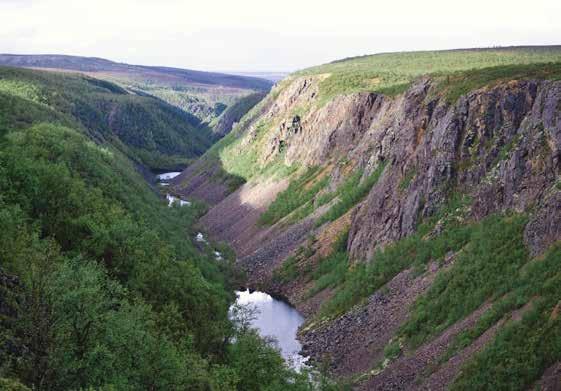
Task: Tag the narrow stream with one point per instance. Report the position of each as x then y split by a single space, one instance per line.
277 319
172 199
271 317
166 176
163 180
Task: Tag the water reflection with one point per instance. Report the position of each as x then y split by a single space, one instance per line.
167 176
171 199
275 318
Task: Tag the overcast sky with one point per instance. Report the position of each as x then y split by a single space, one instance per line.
281 35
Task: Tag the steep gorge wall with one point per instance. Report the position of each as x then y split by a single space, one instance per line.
499 145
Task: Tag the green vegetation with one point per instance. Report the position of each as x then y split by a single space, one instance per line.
290 269
392 73
12 385
113 294
331 269
234 161
253 360
204 95
522 350
392 350
201 103
364 278
103 288
235 112
456 84
100 266
239 159
407 179
206 98
491 264
491 254
299 193
236 158
484 270
301 197
350 193
146 129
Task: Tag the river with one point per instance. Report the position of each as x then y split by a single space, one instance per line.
166 176
163 180
274 318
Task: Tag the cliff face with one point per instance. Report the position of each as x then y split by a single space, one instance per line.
498 145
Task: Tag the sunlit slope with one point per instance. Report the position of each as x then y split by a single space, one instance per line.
392 73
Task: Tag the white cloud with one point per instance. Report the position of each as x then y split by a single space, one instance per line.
267 35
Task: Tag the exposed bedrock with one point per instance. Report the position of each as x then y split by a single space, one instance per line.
498 145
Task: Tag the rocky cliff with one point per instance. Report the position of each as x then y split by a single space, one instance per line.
386 171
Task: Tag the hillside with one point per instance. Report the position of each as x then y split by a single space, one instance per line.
203 94
408 205
102 284
146 129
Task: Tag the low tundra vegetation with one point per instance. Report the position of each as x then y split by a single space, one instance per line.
460 70
350 193
304 195
523 349
485 269
331 270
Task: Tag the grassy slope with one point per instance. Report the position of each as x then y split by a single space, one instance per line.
145 128
392 73
235 112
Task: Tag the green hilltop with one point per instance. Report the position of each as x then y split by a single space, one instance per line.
392 73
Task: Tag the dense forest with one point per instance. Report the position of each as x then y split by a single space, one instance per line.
146 129
100 284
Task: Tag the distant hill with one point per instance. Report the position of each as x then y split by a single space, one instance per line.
272 76
145 128
206 95
165 74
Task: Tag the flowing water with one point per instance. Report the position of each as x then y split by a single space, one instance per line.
166 176
163 180
272 318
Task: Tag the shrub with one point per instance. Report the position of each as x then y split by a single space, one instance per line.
299 193
351 192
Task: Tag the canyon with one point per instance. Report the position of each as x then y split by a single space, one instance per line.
434 160
395 218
